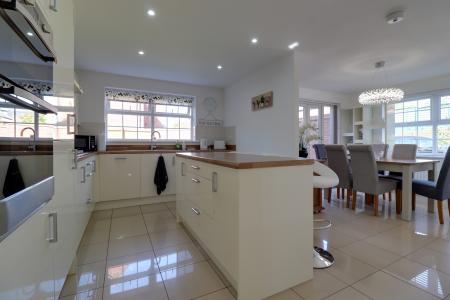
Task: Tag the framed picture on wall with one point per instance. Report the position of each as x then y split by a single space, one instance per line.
262 101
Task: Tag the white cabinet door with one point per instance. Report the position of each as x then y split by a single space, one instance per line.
119 176
148 167
26 261
169 159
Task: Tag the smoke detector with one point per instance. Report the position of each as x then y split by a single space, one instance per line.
395 17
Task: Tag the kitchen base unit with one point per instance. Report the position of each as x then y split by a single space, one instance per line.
252 214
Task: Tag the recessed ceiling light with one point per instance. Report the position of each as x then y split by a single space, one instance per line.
141 52
29 33
151 13
254 41
293 45
219 67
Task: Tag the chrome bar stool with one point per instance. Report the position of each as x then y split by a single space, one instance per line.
324 178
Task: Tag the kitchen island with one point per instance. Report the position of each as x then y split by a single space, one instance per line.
253 216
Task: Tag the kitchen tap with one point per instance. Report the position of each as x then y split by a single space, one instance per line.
152 146
31 146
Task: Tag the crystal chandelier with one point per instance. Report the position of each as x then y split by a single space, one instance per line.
381 95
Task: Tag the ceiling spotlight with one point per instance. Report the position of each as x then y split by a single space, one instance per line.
293 45
141 52
219 67
29 33
395 17
254 41
151 12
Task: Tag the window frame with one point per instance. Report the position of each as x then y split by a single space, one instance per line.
152 113
61 109
308 104
435 118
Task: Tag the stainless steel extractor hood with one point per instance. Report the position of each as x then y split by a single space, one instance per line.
27 20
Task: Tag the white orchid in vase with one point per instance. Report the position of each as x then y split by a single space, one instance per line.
308 134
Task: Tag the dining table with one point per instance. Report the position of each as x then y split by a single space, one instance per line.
408 168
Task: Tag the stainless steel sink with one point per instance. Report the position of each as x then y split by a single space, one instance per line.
17 208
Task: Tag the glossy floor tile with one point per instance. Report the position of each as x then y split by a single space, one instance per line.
142 288
321 286
177 256
92 253
286 295
124 227
370 254
129 246
88 295
141 252
423 277
126 212
223 294
384 286
150 208
191 281
348 294
87 277
432 258
169 238
349 269
127 268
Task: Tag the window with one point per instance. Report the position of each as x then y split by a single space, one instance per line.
424 121
322 117
14 119
135 120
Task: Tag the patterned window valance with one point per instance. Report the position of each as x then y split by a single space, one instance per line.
33 86
147 97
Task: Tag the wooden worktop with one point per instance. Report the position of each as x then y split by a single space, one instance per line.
237 160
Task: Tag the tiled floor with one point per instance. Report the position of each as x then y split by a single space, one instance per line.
142 253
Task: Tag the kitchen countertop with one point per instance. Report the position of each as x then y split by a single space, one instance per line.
237 160
85 155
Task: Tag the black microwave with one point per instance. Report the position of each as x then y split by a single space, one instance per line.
85 143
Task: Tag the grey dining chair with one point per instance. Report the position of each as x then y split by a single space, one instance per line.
380 150
405 152
321 153
338 162
438 190
365 176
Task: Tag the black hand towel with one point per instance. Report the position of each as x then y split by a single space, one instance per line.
13 180
161 177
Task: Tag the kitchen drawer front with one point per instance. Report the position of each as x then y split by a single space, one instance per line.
199 192
198 168
198 221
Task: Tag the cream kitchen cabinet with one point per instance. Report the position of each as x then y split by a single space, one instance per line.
120 176
148 167
238 204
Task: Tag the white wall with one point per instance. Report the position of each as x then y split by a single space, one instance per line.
91 104
269 131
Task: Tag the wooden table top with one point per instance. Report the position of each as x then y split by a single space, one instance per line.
237 160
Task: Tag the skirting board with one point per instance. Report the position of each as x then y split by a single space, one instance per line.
133 202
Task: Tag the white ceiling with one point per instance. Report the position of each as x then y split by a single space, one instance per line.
339 39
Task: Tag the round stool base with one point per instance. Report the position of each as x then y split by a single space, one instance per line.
322 258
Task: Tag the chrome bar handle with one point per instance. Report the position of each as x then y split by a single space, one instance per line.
53 227
195 167
195 180
69 117
182 169
214 182
74 159
196 211
94 166
173 160
53 5
83 172
120 158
